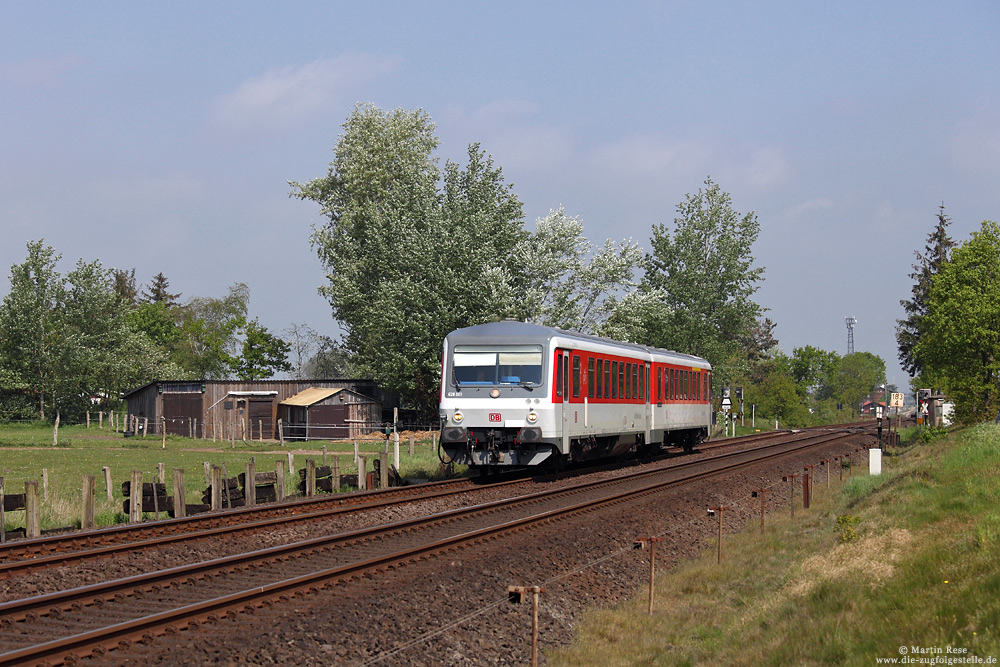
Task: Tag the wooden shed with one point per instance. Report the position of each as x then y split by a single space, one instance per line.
320 413
232 409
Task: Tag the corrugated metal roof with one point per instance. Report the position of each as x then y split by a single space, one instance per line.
310 396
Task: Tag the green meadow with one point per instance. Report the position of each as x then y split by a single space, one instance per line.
27 449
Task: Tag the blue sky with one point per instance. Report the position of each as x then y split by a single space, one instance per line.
161 136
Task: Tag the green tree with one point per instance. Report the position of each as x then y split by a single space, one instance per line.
125 286
960 332
569 283
704 270
855 377
262 355
208 342
31 333
67 339
776 396
155 319
159 291
929 264
811 369
408 262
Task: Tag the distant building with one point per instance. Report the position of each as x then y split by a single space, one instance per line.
251 410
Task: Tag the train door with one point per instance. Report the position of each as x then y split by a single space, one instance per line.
648 398
564 407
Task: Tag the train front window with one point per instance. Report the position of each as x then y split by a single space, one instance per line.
474 365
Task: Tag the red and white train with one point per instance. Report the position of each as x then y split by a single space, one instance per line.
519 394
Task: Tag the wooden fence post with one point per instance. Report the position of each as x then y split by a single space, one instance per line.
32 515
216 489
411 444
362 470
88 419
279 472
161 474
135 497
281 434
3 518
208 473
163 432
383 470
180 506
250 485
107 481
89 486
324 454
336 474
291 470
45 484
145 426
310 478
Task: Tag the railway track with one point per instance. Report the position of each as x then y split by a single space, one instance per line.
160 603
23 556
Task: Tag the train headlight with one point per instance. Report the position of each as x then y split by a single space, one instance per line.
532 417
457 417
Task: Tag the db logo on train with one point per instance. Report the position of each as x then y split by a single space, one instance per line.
494 416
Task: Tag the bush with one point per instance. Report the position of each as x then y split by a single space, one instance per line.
930 433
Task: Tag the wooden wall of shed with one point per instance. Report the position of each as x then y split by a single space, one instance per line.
147 401
144 405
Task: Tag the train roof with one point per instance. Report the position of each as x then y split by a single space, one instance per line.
514 331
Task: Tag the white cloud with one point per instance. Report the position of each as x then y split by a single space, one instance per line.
809 206
288 95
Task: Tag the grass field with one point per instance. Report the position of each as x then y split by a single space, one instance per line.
26 450
905 565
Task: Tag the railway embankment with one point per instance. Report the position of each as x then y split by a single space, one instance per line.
900 568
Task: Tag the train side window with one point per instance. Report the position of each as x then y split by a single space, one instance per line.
628 380
659 385
614 379
559 374
670 383
687 384
607 378
590 378
576 375
621 379
642 382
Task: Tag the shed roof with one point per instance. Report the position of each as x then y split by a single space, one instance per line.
311 395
